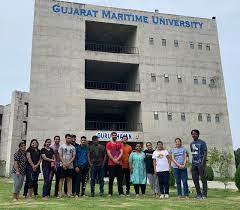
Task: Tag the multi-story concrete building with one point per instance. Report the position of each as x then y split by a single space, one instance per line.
150 75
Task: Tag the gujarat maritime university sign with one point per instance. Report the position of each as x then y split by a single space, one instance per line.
119 16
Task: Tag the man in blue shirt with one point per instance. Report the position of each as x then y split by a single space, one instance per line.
81 166
199 157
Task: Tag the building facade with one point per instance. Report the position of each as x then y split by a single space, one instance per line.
149 75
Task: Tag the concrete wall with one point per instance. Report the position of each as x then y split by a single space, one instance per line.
57 90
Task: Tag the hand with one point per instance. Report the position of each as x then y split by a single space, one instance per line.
34 168
155 173
77 169
17 173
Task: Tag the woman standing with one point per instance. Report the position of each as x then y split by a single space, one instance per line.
138 170
152 178
179 160
162 167
33 169
47 154
18 170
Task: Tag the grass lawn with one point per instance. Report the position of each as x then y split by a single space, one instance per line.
218 199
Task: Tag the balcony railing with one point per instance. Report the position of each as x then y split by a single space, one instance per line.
113 126
111 86
111 48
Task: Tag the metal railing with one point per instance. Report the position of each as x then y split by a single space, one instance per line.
111 86
112 126
111 48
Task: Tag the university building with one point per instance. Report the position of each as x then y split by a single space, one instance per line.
148 75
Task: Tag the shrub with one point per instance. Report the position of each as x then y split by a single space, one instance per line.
209 173
172 179
237 178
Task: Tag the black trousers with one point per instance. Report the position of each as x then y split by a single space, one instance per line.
115 171
142 186
163 180
81 180
200 171
57 173
126 175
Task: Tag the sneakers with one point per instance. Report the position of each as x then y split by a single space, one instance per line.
161 196
198 197
166 196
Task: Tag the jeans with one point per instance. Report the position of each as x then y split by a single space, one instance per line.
97 172
115 171
181 176
81 177
200 171
56 172
126 174
31 181
163 180
137 186
153 181
17 182
47 176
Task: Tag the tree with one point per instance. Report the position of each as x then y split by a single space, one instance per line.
237 157
221 161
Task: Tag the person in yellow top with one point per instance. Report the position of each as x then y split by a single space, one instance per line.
127 149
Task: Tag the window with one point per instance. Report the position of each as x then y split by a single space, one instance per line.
195 81
166 78
208 118
1 119
183 117
151 40
208 47
164 42
25 127
169 116
176 43
179 78
191 45
155 116
200 46
200 117
25 109
212 82
153 77
217 118
204 81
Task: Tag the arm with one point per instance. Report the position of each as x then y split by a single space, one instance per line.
174 161
169 162
120 156
110 156
73 158
204 157
154 166
15 165
89 160
130 163
47 159
30 159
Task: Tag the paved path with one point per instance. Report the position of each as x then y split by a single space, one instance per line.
216 185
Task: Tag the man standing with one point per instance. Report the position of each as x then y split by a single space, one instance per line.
57 171
127 149
67 155
75 144
115 152
199 156
97 159
81 166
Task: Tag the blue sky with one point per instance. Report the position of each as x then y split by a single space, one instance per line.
16 20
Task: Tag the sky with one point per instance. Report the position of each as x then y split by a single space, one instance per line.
16 23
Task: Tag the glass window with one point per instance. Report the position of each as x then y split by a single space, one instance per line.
195 81
179 78
164 42
183 116
176 43
166 78
169 116
191 45
204 81
200 46
208 47
217 118
153 77
155 116
200 119
151 40
209 118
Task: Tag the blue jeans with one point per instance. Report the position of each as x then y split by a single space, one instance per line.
181 175
97 172
47 182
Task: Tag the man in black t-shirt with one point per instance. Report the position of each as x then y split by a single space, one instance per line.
153 180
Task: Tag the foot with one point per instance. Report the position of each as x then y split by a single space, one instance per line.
109 195
45 198
198 197
76 196
187 197
137 195
122 195
15 200
166 196
161 196
101 194
128 194
180 197
204 197
92 195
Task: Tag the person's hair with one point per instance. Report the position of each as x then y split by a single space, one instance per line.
113 133
178 139
56 137
73 136
83 137
94 138
21 143
30 146
149 143
159 142
196 131
124 136
46 142
68 135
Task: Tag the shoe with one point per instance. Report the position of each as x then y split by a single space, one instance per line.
204 197
15 200
137 195
186 197
198 197
109 195
180 197
161 196
127 194
76 196
101 194
92 195
166 196
122 195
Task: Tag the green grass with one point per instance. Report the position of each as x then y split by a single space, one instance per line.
218 199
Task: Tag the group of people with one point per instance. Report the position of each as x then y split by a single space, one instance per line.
71 163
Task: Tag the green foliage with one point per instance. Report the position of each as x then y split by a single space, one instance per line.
171 179
237 178
210 173
221 161
237 157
